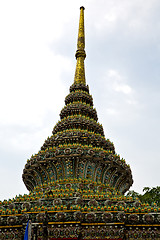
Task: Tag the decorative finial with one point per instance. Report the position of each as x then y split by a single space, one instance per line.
80 53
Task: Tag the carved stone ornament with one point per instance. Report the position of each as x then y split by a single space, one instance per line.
56 232
77 194
91 152
68 185
67 151
137 204
41 217
78 216
121 203
108 203
79 150
24 218
79 201
60 216
133 218
57 201
47 155
93 202
39 202
102 154
81 186
1 220
11 220
90 217
110 157
107 217
26 205
100 188
121 216
91 186
158 218
56 152
11 206
148 218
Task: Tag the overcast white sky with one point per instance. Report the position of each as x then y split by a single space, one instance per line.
37 64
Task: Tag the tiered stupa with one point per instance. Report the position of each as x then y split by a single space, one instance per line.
78 148
76 181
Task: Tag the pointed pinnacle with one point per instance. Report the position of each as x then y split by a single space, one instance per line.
81 39
80 53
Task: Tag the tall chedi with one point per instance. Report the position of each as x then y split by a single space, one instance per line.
78 149
76 181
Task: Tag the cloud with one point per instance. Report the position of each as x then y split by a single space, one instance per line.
118 82
111 111
136 18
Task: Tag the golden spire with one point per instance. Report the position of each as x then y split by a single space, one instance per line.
80 53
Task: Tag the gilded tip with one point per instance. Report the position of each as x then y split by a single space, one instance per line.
80 55
82 8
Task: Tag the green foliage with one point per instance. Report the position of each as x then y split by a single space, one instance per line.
151 195
133 194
